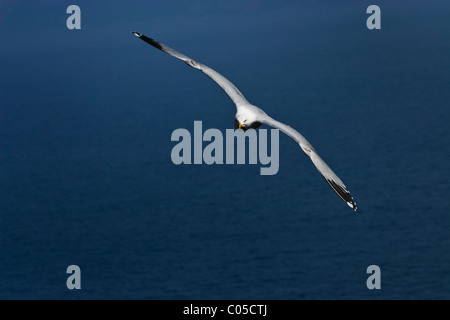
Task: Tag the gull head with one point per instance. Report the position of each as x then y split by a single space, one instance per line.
246 120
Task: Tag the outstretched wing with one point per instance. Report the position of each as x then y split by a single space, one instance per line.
332 179
235 95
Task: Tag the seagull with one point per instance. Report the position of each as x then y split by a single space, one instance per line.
249 116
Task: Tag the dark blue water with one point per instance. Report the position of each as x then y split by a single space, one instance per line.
86 176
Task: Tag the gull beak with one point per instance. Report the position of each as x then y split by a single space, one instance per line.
237 124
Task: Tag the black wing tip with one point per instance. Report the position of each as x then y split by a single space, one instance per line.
352 205
343 193
150 41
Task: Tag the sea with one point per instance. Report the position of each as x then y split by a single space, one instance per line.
87 179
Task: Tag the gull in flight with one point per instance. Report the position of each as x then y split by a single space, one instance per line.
249 116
